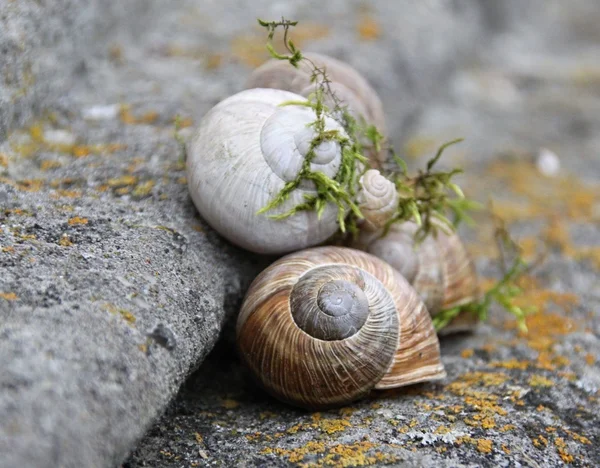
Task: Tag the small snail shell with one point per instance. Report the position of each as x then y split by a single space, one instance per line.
245 150
377 200
322 327
439 268
349 86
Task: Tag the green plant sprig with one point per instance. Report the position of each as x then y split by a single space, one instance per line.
428 197
425 198
505 291
340 190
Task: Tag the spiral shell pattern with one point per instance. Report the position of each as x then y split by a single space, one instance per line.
245 150
439 268
348 85
377 200
322 327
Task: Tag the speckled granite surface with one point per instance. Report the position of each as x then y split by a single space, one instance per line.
101 244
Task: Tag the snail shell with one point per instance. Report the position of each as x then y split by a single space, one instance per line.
350 87
322 327
377 200
439 269
245 150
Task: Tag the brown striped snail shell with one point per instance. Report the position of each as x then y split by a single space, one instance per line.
439 268
349 86
321 327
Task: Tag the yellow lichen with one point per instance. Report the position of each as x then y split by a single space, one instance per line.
562 452
65 241
143 189
127 316
9 296
368 29
590 359
124 180
485 445
76 220
466 353
540 381
228 403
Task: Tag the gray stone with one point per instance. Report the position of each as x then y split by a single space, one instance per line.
114 291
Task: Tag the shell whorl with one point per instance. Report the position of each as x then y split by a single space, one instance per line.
439 269
313 341
349 86
245 150
377 200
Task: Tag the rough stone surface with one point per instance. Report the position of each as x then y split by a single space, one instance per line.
112 290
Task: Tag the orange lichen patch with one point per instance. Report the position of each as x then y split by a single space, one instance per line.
127 116
557 235
17 212
529 247
549 361
143 189
507 427
251 51
549 196
540 381
511 364
331 426
540 441
122 181
505 449
562 452
65 241
49 164
466 353
485 445
590 359
486 379
514 211
27 185
182 180
213 61
229 403
481 420
342 455
182 122
127 316
75 221
143 348
482 445
9 296
368 29
81 151
66 193
8 249
3 160
577 437
114 310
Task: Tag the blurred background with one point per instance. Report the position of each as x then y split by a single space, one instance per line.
105 80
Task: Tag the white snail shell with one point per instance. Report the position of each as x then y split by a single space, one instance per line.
322 327
377 200
245 150
350 87
439 269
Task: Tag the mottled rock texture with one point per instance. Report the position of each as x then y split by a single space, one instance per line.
112 290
